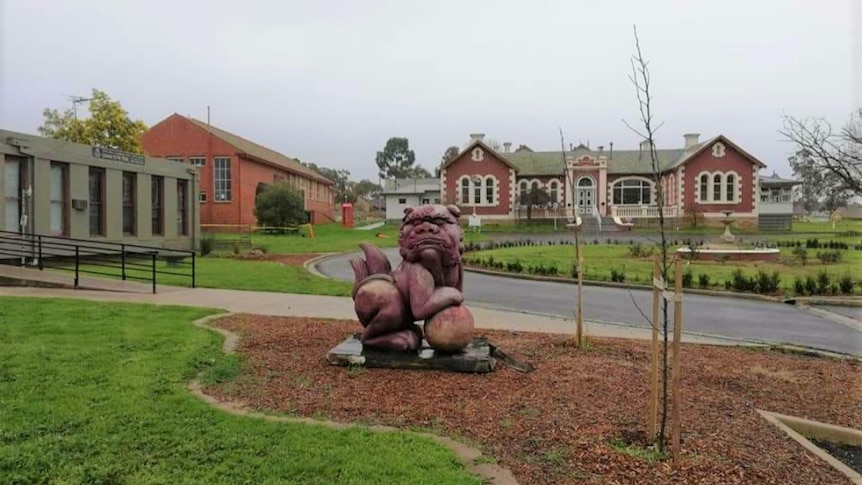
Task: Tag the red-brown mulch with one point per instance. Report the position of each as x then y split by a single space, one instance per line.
557 425
285 259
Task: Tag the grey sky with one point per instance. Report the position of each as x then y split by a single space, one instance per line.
331 81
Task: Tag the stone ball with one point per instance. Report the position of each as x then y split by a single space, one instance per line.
450 330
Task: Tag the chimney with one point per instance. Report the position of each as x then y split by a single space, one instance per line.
612 150
477 136
507 147
601 148
690 140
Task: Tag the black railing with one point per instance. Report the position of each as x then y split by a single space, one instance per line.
86 256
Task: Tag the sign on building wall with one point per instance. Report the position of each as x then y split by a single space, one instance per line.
118 155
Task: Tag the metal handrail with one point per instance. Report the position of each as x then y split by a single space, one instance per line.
39 248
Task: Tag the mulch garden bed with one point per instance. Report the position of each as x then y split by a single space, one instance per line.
567 421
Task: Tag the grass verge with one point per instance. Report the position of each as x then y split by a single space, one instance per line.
95 393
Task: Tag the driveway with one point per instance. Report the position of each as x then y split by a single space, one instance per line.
728 317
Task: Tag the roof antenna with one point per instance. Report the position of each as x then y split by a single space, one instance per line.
612 150
208 114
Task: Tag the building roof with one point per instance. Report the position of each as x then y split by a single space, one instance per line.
259 152
411 186
776 180
622 161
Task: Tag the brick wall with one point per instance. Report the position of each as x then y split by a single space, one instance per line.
490 164
732 161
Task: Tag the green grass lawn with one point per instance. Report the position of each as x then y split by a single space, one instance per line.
95 393
330 238
600 259
235 274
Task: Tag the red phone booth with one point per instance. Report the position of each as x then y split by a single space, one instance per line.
347 214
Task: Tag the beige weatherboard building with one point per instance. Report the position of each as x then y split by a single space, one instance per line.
57 188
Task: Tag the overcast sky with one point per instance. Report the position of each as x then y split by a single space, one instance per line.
331 81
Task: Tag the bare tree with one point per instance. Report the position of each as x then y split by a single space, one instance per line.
640 78
579 270
836 153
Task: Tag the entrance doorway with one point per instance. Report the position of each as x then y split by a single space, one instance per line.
13 172
586 195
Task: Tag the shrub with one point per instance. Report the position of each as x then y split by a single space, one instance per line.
810 286
798 286
280 205
845 284
767 283
618 276
514 267
207 244
827 257
703 280
800 254
739 281
687 278
635 250
823 283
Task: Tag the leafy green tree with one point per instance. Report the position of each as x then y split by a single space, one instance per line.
820 188
340 177
365 189
280 205
396 160
418 172
448 155
534 197
108 125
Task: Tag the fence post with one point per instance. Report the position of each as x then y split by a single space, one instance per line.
76 265
39 238
154 273
123 260
193 269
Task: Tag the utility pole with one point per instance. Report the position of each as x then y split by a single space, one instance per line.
75 101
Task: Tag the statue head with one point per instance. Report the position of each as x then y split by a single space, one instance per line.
431 232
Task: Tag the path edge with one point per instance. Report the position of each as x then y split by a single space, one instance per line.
469 456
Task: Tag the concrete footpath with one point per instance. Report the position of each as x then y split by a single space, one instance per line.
291 305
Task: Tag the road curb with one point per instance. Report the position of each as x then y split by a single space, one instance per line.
310 265
610 284
471 457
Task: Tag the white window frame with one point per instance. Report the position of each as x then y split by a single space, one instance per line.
222 185
643 181
198 161
722 197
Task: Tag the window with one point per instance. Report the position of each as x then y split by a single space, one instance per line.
198 161
632 192
465 190
534 186
13 184
157 198
129 197
730 188
59 206
276 178
222 179
436 200
402 200
478 154
477 191
97 201
786 194
202 196
716 188
764 194
426 201
175 159
523 186
182 207
489 190
704 188
554 189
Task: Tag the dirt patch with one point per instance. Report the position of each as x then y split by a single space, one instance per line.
285 259
564 422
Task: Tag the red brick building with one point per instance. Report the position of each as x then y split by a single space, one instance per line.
234 170
702 177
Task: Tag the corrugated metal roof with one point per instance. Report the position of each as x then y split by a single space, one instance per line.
259 151
622 161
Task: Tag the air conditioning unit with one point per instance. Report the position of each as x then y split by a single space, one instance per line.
79 204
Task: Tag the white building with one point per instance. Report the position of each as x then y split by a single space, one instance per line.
401 193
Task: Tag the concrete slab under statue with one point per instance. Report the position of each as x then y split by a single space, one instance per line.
426 287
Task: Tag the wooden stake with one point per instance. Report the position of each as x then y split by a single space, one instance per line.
652 421
677 374
579 335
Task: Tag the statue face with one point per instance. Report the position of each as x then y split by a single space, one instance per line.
431 229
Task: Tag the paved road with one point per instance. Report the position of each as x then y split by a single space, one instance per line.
721 316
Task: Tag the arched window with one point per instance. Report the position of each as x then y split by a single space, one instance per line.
554 191
716 188
632 192
585 182
730 188
534 185
465 190
523 186
477 190
489 190
704 188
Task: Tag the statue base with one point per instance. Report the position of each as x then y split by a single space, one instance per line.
475 358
